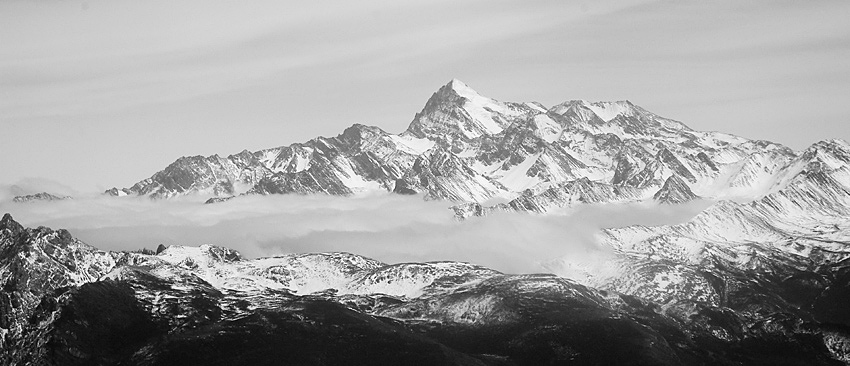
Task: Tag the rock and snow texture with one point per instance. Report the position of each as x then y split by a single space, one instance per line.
471 149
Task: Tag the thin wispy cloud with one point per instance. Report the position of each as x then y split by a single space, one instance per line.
112 55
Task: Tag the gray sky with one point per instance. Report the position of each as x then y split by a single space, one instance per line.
99 93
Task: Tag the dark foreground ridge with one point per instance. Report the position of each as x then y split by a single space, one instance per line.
67 303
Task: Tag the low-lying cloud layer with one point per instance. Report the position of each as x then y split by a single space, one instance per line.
390 228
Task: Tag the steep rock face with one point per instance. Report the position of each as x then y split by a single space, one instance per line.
471 149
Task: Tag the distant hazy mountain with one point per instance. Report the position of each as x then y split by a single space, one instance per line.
43 196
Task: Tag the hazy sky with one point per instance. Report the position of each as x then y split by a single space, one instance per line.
104 93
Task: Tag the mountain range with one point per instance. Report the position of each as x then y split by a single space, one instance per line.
468 148
760 277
